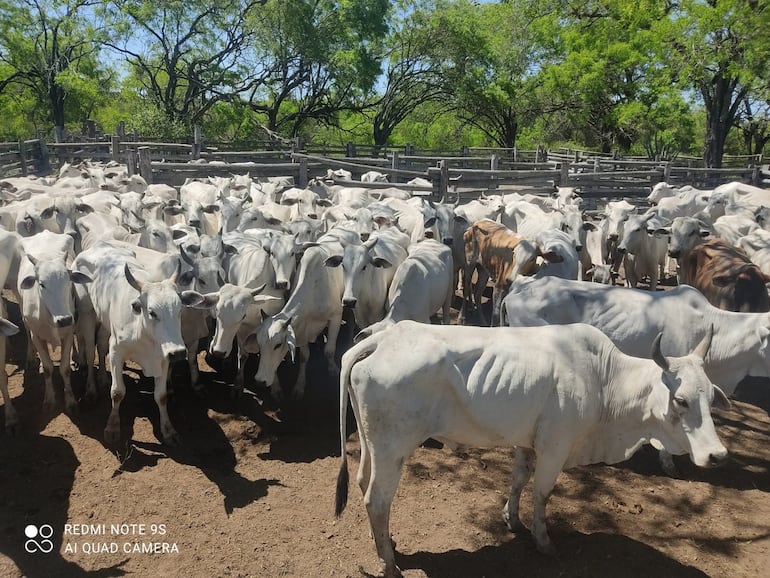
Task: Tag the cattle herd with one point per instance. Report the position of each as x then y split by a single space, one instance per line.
573 370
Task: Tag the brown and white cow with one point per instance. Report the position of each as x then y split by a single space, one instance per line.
495 252
727 277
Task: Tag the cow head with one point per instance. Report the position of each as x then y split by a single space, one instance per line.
53 283
685 410
274 339
157 310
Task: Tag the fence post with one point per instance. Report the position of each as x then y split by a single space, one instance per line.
443 183
350 150
564 174
197 144
464 152
115 147
121 129
494 162
145 168
515 154
23 157
302 173
131 162
409 152
667 172
59 133
395 164
91 128
45 159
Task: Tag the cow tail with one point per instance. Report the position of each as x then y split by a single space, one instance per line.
358 352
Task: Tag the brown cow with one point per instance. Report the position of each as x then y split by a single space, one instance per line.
726 276
496 252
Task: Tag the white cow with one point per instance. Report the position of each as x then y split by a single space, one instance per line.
315 305
564 395
368 269
143 320
422 285
644 250
48 306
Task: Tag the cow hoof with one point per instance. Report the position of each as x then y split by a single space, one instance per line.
49 406
172 439
111 436
71 409
514 526
547 548
199 392
12 428
91 396
236 392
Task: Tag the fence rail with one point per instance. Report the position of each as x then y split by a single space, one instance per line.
467 169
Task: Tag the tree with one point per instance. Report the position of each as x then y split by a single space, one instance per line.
49 47
187 55
718 48
317 58
414 73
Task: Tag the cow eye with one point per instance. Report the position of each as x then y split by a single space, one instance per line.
681 402
277 346
202 282
692 233
153 315
42 285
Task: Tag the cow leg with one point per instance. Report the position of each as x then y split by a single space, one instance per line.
33 362
192 364
103 347
467 274
383 482
65 369
303 353
497 298
86 331
117 393
49 398
523 466
482 278
330 349
11 420
447 307
240 371
167 431
546 472
667 464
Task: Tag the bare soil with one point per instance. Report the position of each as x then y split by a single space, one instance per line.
251 490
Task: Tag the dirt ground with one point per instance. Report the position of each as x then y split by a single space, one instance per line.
251 491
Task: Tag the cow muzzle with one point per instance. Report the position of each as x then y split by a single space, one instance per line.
349 303
177 355
718 459
282 285
448 241
64 321
674 254
217 353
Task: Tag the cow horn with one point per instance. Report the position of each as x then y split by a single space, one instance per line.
131 279
258 290
33 260
657 356
703 347
185 257
220 280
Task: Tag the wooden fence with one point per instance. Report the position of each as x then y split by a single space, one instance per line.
467 170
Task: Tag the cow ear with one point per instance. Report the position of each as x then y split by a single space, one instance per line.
229 249
191 298
588 226
273 221
380 262
324 203
552 257
251 343
28 282
430 222
705 234
177 234
209 301
211 209
47 213
263 315
7 328
333 261
720 399
173 209
289 201
79 277
460 219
